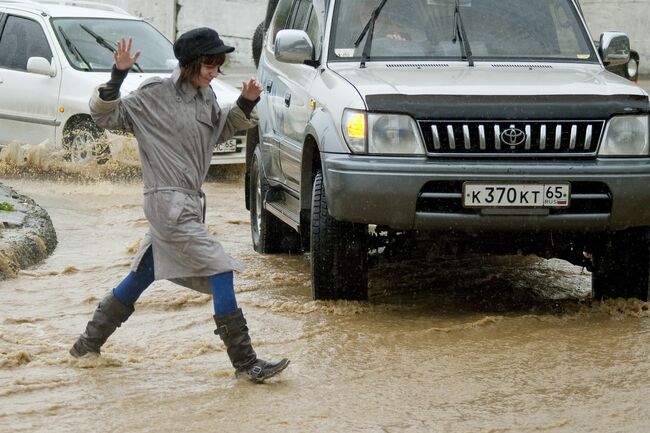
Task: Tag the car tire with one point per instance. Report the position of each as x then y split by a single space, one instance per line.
269 234
84 141
622 267
339 252
258 40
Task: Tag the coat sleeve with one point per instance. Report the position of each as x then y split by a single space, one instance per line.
109 114
236 120
115 114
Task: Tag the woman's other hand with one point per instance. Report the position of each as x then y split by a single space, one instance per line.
123 58
251 89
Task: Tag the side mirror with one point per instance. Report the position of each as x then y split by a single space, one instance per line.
40 65
614 48
293 46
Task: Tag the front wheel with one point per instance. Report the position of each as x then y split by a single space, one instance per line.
339 252
269 234
622 266
84 141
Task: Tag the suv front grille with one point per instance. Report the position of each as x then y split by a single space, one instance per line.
587 198
486 138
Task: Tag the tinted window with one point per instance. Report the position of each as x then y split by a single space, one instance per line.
280 19
21 39
313 30
300 16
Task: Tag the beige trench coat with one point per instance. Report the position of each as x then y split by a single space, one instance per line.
176 127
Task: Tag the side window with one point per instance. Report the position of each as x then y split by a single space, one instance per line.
22 38
300 15
280 19
313 30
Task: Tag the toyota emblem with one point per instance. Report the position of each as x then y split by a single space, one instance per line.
513 136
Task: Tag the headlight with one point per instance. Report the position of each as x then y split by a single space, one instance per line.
626 136
382 134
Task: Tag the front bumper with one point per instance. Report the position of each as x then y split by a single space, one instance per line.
392 191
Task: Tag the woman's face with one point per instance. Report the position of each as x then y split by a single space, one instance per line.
207 74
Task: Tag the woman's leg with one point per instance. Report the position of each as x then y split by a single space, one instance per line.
231 327
223 293
131 287
115 308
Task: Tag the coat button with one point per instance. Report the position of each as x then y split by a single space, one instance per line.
178 99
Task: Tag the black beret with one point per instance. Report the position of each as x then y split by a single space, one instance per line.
199 42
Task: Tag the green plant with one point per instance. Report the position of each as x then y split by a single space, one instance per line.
7 206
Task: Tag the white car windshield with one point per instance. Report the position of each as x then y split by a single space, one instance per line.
543 30
88 43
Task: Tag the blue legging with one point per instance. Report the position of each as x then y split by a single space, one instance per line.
130 289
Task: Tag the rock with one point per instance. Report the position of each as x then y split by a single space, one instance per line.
27 235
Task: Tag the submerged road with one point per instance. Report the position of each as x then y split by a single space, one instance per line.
469 344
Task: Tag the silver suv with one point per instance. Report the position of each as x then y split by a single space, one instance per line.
489 124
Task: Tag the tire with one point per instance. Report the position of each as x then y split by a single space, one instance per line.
339 252
84 141
622 267
258 41
269 234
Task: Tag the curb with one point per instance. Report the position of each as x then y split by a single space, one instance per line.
24 243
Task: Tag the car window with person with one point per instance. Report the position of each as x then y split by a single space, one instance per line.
426 29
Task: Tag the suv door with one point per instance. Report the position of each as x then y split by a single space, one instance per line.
28 101
271 102
295 81
290 96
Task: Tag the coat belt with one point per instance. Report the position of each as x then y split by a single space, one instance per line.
197 193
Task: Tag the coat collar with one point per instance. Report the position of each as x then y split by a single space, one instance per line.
186 90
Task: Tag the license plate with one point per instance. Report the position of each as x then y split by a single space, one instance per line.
227 146
516 195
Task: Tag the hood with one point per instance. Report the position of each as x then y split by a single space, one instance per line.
484 79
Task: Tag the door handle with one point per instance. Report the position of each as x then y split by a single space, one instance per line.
269 85
287 99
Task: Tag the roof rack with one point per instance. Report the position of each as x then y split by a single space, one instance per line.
82 3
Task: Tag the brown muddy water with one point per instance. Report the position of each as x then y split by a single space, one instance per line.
471 344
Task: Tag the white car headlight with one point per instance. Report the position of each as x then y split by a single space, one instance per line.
381 134
626 136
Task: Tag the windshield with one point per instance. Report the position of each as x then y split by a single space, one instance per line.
545 30
84 52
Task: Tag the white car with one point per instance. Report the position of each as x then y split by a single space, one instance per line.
52 55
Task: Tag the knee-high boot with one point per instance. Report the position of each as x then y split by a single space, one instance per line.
108 316
233 331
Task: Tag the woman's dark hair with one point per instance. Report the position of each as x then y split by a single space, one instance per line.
193 69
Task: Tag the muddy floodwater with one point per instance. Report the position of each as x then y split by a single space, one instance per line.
445 344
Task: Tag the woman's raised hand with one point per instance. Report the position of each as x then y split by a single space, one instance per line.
123 58
251 89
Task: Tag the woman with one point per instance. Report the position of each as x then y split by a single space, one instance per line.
177 122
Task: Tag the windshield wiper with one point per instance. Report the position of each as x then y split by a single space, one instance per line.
369 28
73 49
459 32
101 41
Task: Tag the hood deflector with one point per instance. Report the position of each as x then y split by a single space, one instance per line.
530 107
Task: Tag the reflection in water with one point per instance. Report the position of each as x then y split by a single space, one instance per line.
445 344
